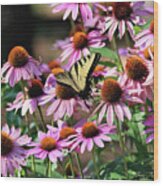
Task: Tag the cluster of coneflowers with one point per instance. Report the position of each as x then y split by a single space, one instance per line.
114 91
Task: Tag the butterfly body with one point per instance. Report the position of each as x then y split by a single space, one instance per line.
79 76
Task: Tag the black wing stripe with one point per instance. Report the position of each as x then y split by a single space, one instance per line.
95 61
76 69
74 77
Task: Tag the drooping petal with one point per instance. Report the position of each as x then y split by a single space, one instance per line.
126 111
110 115
89 144
119 112
98 142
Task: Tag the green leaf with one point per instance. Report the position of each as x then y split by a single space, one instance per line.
106 52
107 63
136 128
13 119
40 171
116 176
146 26
139 168
137 29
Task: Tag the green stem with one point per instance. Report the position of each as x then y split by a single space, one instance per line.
36 123
33 165
22 87
28 123
42 118
140 144
63 169
115 48
146 109
94 163
127 40
79 165
71 165
48 171
122 145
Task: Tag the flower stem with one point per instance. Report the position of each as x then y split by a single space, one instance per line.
123 147
36 123
71 165
42 118
63 169
146 109
23 89
94 163
48 171
33 164
127 40
28 123
79 165
115 48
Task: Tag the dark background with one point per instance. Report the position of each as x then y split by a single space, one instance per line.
31 26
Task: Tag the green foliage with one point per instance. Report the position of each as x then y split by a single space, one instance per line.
135 131
8 94
40 169
106 52
13 118
107 64
138 168
138 28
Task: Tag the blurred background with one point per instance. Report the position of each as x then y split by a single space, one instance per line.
32 26
36 28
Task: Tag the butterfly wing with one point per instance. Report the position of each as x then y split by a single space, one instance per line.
82 70
66 80
79 74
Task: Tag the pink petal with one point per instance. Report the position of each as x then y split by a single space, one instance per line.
110 115
126 111
122 28
98 142
119 112
102 112
83 146
89 144
52 108
112 30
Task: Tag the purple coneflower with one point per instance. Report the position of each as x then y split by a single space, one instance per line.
55 67
30 100
64 99
90 135
20 66
147 54
79 45
139 73
13 153
74 9
63 131
145 38
149 123
47 146
114 95
124 16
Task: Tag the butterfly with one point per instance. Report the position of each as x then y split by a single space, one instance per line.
79 76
